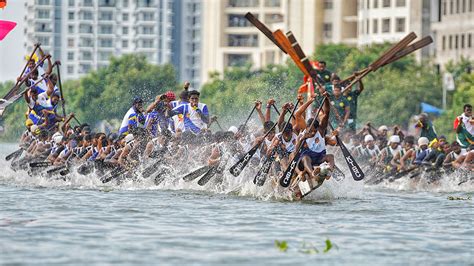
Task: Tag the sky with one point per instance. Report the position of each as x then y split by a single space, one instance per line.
12 47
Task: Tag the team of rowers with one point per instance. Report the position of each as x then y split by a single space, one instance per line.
171 131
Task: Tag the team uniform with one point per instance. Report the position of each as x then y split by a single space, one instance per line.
339 105
133 119
316 148
192 116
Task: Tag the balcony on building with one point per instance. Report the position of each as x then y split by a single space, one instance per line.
146 5
108 4
44 3
242 40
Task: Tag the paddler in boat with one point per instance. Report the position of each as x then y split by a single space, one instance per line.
133 118
194 113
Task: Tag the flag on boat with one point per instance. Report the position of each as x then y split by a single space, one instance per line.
5 28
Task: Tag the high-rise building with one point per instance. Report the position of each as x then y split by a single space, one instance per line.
228 39
454 31
186 56
84 34
391 20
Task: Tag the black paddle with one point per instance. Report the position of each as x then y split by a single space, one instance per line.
262 173
40 164
237 168
196 173
14 154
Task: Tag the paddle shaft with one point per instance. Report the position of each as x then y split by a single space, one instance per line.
61 90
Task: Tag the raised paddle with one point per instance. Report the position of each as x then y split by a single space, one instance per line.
58 63
14 154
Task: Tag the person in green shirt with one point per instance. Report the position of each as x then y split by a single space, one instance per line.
351 96
323 73
340 108
426 127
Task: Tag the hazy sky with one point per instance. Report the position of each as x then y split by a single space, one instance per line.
11 48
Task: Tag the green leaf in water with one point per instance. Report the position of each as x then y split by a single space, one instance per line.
328 245
458 198
281 245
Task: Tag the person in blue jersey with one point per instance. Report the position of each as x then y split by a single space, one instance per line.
195 114
156 120
177 122
133 118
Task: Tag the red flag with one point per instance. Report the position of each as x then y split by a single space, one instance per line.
3 3
6 27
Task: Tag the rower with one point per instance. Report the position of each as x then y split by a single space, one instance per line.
195 114
371 151
285 143
341 108
422 150
156 120
133 118
389 152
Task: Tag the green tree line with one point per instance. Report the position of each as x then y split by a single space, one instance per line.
391 96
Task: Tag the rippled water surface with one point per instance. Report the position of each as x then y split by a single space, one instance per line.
81 223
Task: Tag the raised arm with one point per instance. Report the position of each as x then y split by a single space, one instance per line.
268 111
258 107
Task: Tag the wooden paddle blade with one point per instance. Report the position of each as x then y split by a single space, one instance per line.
410 49
196 173
237 168
281 38
264 29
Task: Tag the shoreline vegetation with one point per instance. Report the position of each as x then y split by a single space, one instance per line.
392 94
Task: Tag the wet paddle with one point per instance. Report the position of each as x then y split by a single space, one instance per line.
196 173
14 154
40 164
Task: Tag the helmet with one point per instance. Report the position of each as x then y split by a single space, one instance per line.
170 95
383 127
233 129
368 138
423 141
129 138
394 139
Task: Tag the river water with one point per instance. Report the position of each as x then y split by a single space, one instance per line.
81 221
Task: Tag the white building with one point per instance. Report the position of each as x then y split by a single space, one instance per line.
454 31
391 20
84 34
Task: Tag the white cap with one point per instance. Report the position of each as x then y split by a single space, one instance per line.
394 139
57 139
129 138
56 134
383 127
423 141
368 138
233 129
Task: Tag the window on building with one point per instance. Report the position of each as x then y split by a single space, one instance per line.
87 15
70 15
387 3
44 14
148 30
385 25
105 43
85 28
147 43
328 4
124 44
70 29
469 40
106 29
450 42
106 16
242 3
43 2
445 8
42 27
71 2
242 40
238 21
107 3
87 2
44 40
272 3
148 16
273 18
86 55
238 59
375 26
70 69
104 56
70 56
462 41
368 4
456 42
124 30
400 3
444 43
84 68
451 6
400 25
327 30
125 16
464 6
125 3
375 4
471 3
70 42
457 6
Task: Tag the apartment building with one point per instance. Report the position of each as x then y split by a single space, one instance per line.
186 55
454 31
230 40
391 20
84 34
